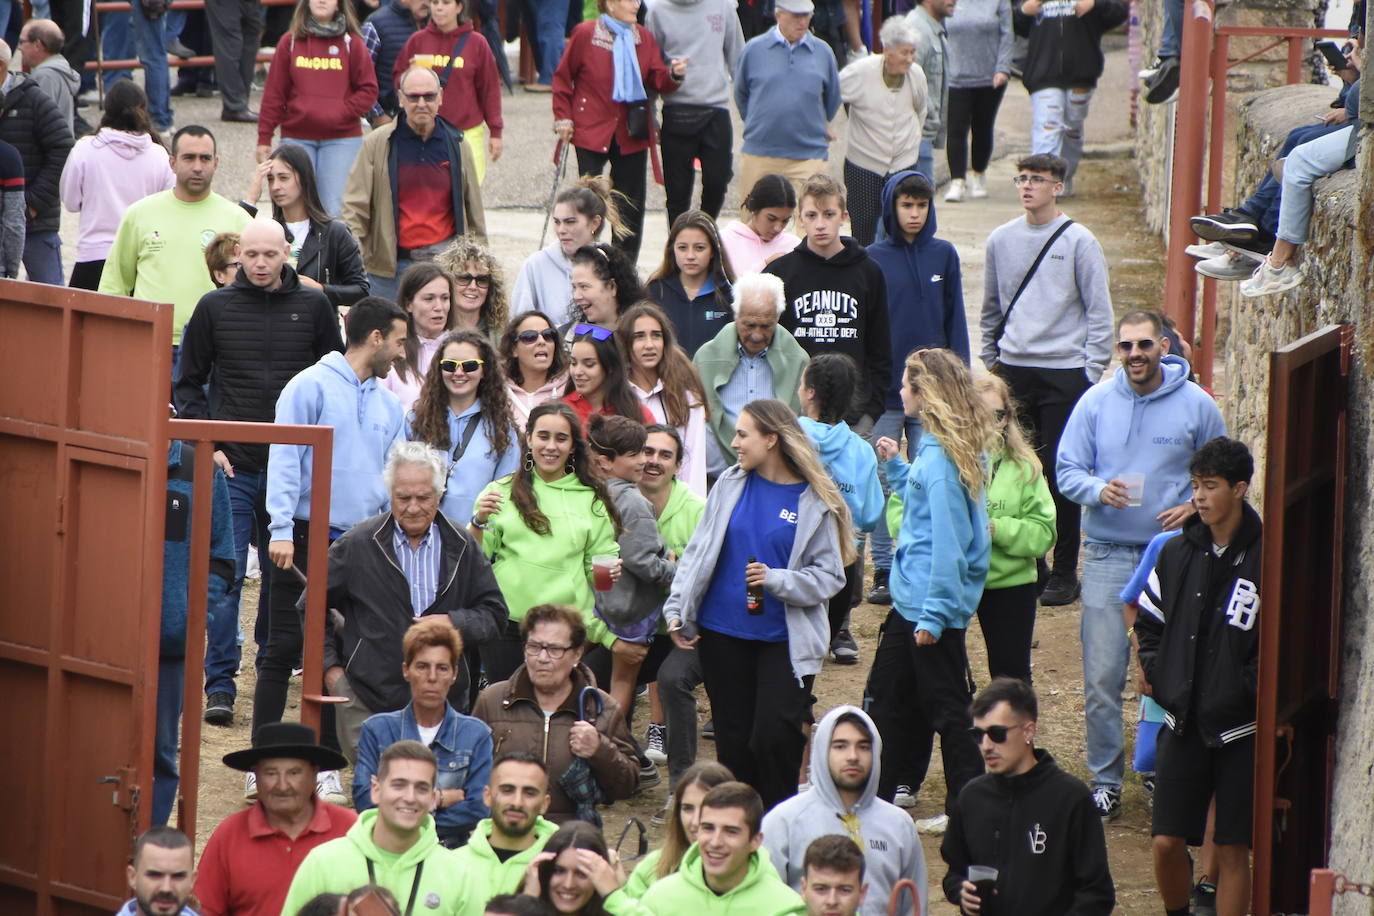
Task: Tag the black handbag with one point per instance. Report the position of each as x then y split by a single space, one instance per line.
686 120
637 119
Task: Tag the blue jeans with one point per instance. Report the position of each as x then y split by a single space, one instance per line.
1264 203
1057 117
116 43
171 682
247 495
893 423
332 159
1305 164
43 258
925 164
1106 652
151 36
386 286
550 19
1171 39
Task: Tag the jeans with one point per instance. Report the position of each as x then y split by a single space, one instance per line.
925 161
1263 205
43 258
1057 117
678 678
116 43
550 20
712 145
247 501
1306 163
151 36
892 424
1107 568
332 159
171 682
1171 39
234 29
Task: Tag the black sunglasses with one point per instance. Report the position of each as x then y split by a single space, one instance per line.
596 331
998 733
483 281
529 337
1144 346
468 366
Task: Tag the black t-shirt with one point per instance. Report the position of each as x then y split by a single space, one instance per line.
504 854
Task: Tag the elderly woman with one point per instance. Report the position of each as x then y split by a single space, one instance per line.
886 95
601 107
980 39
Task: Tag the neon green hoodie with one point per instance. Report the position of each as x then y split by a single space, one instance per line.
484 875
761 893
680 517
341 865
644 876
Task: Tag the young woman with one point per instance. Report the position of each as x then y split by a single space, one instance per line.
596 378
775 535
326 254
479 285
604 283
536 363
316 105
918 684
463 411
471 84
541 526
426 292
750 244
573 876
692 285
579 215
685 817
826 392
664 379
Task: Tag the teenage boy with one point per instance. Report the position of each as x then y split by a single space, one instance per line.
833 877
1047 331
1199 645
503 845
925 309
722 872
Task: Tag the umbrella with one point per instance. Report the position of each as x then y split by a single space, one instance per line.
577 780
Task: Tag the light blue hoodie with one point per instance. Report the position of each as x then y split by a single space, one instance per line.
366 419
942 552
853 466
477 467
1114 431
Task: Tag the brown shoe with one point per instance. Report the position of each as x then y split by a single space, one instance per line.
537 87
246 116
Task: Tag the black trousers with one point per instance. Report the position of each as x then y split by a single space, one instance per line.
713 145
916 692
501 656
1046 398
972 111
234 28
1007 618
838 610
627 177
760 708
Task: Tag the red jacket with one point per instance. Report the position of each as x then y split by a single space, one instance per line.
317 89
585 77
473 93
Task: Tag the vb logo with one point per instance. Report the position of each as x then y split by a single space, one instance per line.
1037 839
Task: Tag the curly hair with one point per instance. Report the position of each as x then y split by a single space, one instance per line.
615 385
952 412
611 265
719 268
454 259
417 277
1014 443
557 366
681 381
430 423
522 481
835 380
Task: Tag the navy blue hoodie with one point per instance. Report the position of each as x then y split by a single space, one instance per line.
925 290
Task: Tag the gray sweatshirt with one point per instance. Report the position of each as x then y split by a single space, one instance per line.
980 37
707 31
932 53
1063 319
885 833
60 83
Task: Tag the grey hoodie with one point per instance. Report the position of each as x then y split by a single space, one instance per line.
813 575
632 606
60 83
886 834
707 31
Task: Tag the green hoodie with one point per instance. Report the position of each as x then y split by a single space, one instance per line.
761 893
484 875
340 865
716 361
680 517
644 876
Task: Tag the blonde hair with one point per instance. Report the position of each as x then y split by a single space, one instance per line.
952 412
774 418
1013 436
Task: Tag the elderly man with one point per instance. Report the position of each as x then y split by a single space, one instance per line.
787 88
413 187
40 44
160 874
253 854
391 569
750 358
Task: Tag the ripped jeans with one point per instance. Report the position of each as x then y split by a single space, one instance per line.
1057 117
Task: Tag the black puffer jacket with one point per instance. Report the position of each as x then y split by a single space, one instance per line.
32 124
255 341
330 257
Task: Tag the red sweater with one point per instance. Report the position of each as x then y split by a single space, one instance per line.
317 89
584 80
473 93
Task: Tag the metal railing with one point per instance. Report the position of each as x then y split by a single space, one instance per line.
100 64
1326 884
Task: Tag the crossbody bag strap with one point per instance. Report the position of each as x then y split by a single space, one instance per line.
1025 281
457 53
414 887
462 446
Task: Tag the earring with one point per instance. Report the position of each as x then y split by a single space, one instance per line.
529 461
571 467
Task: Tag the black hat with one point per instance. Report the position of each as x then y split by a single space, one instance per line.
286 739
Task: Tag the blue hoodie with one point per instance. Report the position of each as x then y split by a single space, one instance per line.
943 547
852 465
367 420
925 289
478 465
1114 431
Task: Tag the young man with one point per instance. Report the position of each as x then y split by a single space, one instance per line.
1058 338
161 875
1199 645
925 308
1025 817
723 872
502 846
845 751
833 877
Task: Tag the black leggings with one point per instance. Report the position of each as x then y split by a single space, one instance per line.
972 110
1007 618
627 177
838 611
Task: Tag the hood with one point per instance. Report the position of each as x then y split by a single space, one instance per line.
58 64
15 85
1251 526
694 875
679 498
1024 782
480 841
337 363
889 216
1175 370
122 143
453 33
289 283
821 781
852 254
360 835
831 441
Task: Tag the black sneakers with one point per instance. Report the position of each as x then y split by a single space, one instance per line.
219 709
1162 85
1060 590
1230 225
879 593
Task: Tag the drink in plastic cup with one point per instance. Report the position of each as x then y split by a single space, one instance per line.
1135 488
984 878
601 571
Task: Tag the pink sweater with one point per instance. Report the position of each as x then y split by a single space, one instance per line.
105 174
747 252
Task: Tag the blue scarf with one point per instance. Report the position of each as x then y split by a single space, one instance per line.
629 85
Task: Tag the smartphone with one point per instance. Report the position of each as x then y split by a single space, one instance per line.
1332 52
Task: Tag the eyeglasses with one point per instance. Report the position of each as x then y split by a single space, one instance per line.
483 281
532 649
998 733
468 366
1144 346
1036 180
596 331
529 337
421 96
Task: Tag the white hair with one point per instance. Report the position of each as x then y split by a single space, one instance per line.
897 31
419 454
759 286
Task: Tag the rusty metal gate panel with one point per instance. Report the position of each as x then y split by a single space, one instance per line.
83 413
1299 667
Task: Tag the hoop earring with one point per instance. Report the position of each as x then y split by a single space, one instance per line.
529 461
571 467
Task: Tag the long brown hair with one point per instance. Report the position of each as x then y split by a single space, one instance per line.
952 412
681 381
454 259
302 11
432 407
522 481
705 773
417 277
616 392
719 267
557 366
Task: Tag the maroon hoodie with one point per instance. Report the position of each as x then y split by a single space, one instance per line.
317 89
473 93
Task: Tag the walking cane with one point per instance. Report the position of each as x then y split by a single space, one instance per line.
560 159
895 900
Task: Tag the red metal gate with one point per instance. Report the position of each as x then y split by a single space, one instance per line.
1299 669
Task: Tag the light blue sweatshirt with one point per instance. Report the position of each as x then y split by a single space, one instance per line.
786 95
477 467
1114 431
853 466
367 420
943 546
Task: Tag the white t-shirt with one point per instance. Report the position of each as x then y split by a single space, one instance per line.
298 234
428 733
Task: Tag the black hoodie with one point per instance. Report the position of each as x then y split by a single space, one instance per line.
1042 833
839 305
1064 50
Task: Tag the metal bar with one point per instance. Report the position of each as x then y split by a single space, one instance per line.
122 6
1261 31
1216 159
1249 57
1294 59
197 612
312 678
134 64
1321 891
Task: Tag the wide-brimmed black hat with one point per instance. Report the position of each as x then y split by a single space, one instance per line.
286 739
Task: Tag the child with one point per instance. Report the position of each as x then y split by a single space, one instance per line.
751 244
692 285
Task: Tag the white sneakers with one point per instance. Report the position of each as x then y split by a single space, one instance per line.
329 787
933 826
250 787
977 185
1268 280
955 192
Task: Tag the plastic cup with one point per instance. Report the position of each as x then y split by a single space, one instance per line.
984 878
1135 488
601 572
